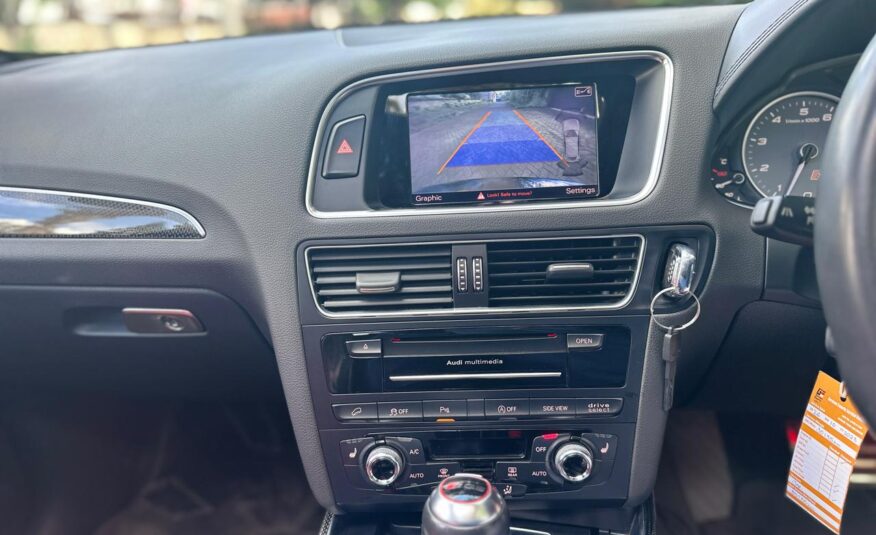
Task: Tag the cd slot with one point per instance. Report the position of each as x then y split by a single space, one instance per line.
475 372
475 345
466 376
476 359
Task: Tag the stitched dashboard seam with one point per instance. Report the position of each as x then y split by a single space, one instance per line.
764 35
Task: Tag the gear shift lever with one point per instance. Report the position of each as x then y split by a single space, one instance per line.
465 504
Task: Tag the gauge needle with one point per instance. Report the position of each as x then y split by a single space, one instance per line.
722 185
807 152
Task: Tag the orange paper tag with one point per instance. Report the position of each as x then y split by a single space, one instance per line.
824 456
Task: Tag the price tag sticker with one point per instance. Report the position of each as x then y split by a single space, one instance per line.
828 443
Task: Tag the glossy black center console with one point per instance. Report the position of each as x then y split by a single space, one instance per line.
546 402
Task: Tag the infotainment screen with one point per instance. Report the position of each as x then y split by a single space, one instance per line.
504 145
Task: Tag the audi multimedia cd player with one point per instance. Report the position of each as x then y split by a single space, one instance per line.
476 360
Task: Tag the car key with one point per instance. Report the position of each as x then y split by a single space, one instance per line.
671 349
671 346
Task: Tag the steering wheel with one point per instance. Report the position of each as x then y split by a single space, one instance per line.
845 234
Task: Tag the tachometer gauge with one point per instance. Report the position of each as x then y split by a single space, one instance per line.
783 145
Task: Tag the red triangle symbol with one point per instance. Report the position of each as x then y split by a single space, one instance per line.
345 148
481 196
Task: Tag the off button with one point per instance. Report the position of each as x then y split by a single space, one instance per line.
401 410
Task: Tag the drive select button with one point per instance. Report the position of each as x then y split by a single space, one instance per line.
600 406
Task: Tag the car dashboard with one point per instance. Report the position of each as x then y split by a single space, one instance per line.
446 239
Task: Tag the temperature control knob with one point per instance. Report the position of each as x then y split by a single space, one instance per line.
573 462
383 465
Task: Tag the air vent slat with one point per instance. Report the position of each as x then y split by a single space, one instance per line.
541 287
404 290
384 253
383 265
518 272
371 303
531 263
540 274
424 274
409 277
566 250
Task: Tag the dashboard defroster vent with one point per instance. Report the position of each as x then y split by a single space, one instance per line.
570 272
374 279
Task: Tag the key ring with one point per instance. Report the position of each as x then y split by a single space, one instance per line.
693 320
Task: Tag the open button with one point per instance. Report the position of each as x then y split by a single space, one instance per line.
583 341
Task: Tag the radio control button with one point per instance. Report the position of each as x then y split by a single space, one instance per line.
351 450
552 407
364 348
600 406
456 409
506 408
411 447
355 411
400 410
584 341
540 445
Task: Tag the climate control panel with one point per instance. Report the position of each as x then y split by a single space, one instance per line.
517 462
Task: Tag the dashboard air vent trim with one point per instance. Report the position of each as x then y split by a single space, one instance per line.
520 272
421 276
450 311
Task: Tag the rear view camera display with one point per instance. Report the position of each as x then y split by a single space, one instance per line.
504 145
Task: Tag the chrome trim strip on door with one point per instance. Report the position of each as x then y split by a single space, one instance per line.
648 187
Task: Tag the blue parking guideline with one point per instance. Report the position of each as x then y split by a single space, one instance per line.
502 139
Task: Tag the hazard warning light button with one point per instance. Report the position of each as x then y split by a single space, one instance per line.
344 150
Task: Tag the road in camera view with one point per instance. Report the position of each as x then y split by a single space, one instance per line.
495 146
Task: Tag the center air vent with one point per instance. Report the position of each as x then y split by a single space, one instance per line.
570 272
367 280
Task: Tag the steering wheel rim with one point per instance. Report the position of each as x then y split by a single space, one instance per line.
845 232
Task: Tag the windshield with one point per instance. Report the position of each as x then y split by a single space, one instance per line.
52 26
